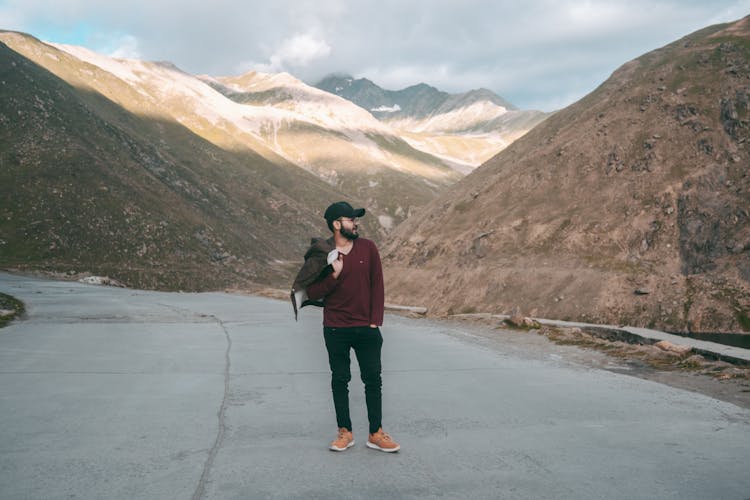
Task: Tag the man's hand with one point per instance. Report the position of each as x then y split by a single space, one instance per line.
337 265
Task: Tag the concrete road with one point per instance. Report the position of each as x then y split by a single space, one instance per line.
120 394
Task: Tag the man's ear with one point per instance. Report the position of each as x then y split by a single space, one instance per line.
335 227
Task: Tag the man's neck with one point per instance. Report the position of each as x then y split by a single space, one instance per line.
342 242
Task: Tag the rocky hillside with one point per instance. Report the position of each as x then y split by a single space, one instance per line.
630 206
162 179
88 186
275 116
466 128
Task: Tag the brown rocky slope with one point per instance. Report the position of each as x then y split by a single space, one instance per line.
630 206
87 187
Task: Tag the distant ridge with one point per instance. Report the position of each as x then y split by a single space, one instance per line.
417 101
466 129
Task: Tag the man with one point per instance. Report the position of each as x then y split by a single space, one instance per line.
353 298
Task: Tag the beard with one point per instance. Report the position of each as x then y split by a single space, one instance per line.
349 235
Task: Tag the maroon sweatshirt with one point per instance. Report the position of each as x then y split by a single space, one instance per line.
356 297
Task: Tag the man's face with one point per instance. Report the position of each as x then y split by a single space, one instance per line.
349 228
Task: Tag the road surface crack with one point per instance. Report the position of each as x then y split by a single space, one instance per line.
201 488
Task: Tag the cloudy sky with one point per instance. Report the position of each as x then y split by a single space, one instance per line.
538 54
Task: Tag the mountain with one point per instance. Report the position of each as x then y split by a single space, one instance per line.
275 116
163 179
88 186
417 101
466 128
341 143
627 207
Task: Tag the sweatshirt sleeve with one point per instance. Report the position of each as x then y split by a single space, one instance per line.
320 289
377 289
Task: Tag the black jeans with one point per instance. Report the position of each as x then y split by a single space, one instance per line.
366 343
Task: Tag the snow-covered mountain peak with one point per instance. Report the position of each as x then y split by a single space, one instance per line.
256 81
121 68
458 119
281 114
285 91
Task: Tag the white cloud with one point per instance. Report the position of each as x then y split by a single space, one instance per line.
301 50
127 48
297 51
528 52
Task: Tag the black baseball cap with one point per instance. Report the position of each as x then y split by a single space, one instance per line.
342 209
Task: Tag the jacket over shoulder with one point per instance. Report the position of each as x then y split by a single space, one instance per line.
317 266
